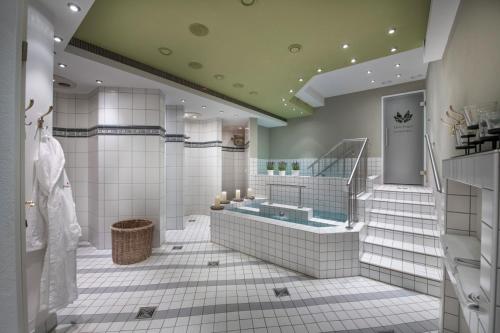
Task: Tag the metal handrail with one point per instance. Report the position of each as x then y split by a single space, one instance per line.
352 188
435 172
300 187
325 154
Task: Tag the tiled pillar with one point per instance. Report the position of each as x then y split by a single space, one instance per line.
174 164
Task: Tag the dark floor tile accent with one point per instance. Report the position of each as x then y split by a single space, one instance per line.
211 309
412 327
161 267
177 247
213 263
192 220
146 312
281 292
159 254
192 284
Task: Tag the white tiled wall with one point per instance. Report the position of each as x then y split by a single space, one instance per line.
115 176
234 165
202 166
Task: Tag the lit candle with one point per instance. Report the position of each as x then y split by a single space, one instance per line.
249 192
217 201
224 195
238 194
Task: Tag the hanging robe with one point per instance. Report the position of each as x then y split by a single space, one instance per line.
53 225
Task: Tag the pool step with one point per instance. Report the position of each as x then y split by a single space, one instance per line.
401 243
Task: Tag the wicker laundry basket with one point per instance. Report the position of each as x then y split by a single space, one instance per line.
132 241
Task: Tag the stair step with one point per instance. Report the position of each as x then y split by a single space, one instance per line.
404 229
421 207
404 188
431 251
403 266
404 214
412 193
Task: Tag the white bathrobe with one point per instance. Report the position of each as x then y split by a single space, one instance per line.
53 225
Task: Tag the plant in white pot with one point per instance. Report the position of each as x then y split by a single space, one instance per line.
282 168
295 168
270 168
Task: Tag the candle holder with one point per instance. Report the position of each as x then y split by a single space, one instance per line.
237 200
213 207
250 198
225 202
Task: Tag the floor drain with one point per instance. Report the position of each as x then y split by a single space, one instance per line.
386 331
213 263
192 220
177 247
146 312
281 292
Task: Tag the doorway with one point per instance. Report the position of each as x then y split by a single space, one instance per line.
403 138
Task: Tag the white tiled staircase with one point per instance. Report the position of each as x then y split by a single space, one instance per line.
401 243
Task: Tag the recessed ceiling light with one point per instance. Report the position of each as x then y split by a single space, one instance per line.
286 104
98 81
57 39
393 49
183 100
238 85
294 48
219 76
391 31
301 79
282 99
247 2
290 91
301 112
165 51
345 46
203 106
198 29
368 72
53 80
74 7
192 115
372 81
61 65
397 65
398 75
195 116
353 60
319 70
240 128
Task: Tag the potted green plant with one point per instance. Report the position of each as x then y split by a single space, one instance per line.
270 168
295 168
282 168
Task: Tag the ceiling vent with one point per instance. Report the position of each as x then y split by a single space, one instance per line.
198 29
63 83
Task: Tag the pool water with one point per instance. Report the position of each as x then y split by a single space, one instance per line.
337 217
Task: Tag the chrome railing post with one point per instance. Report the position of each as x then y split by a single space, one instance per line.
270 194
300 198
437 180
349 207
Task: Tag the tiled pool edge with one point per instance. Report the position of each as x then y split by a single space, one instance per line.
317 252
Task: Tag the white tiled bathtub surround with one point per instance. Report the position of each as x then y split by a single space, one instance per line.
124 172
325 252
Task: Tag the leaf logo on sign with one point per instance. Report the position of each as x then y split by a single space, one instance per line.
403 119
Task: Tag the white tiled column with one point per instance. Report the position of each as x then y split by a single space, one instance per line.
174 164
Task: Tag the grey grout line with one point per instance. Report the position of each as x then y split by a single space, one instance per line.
234 307
189 242
411 327
192 284
159 254
115 269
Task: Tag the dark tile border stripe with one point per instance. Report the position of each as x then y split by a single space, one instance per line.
233 307
233 149
171 266
108 130
86 46
192 284
160 254
204 144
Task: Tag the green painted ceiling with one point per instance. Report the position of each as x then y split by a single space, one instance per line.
248 45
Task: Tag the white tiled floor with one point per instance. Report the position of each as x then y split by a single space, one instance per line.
237 296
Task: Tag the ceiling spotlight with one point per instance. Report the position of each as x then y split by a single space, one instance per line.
301 79
57 39
393 49
195 116
247 2
286 104
165 51
353 60
397 65
319 70
74 7
61 65
398 75
290 91
98 81
372 81
183 100
282 99
345 46
294 48
391 31
368 72
203 106
219 76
